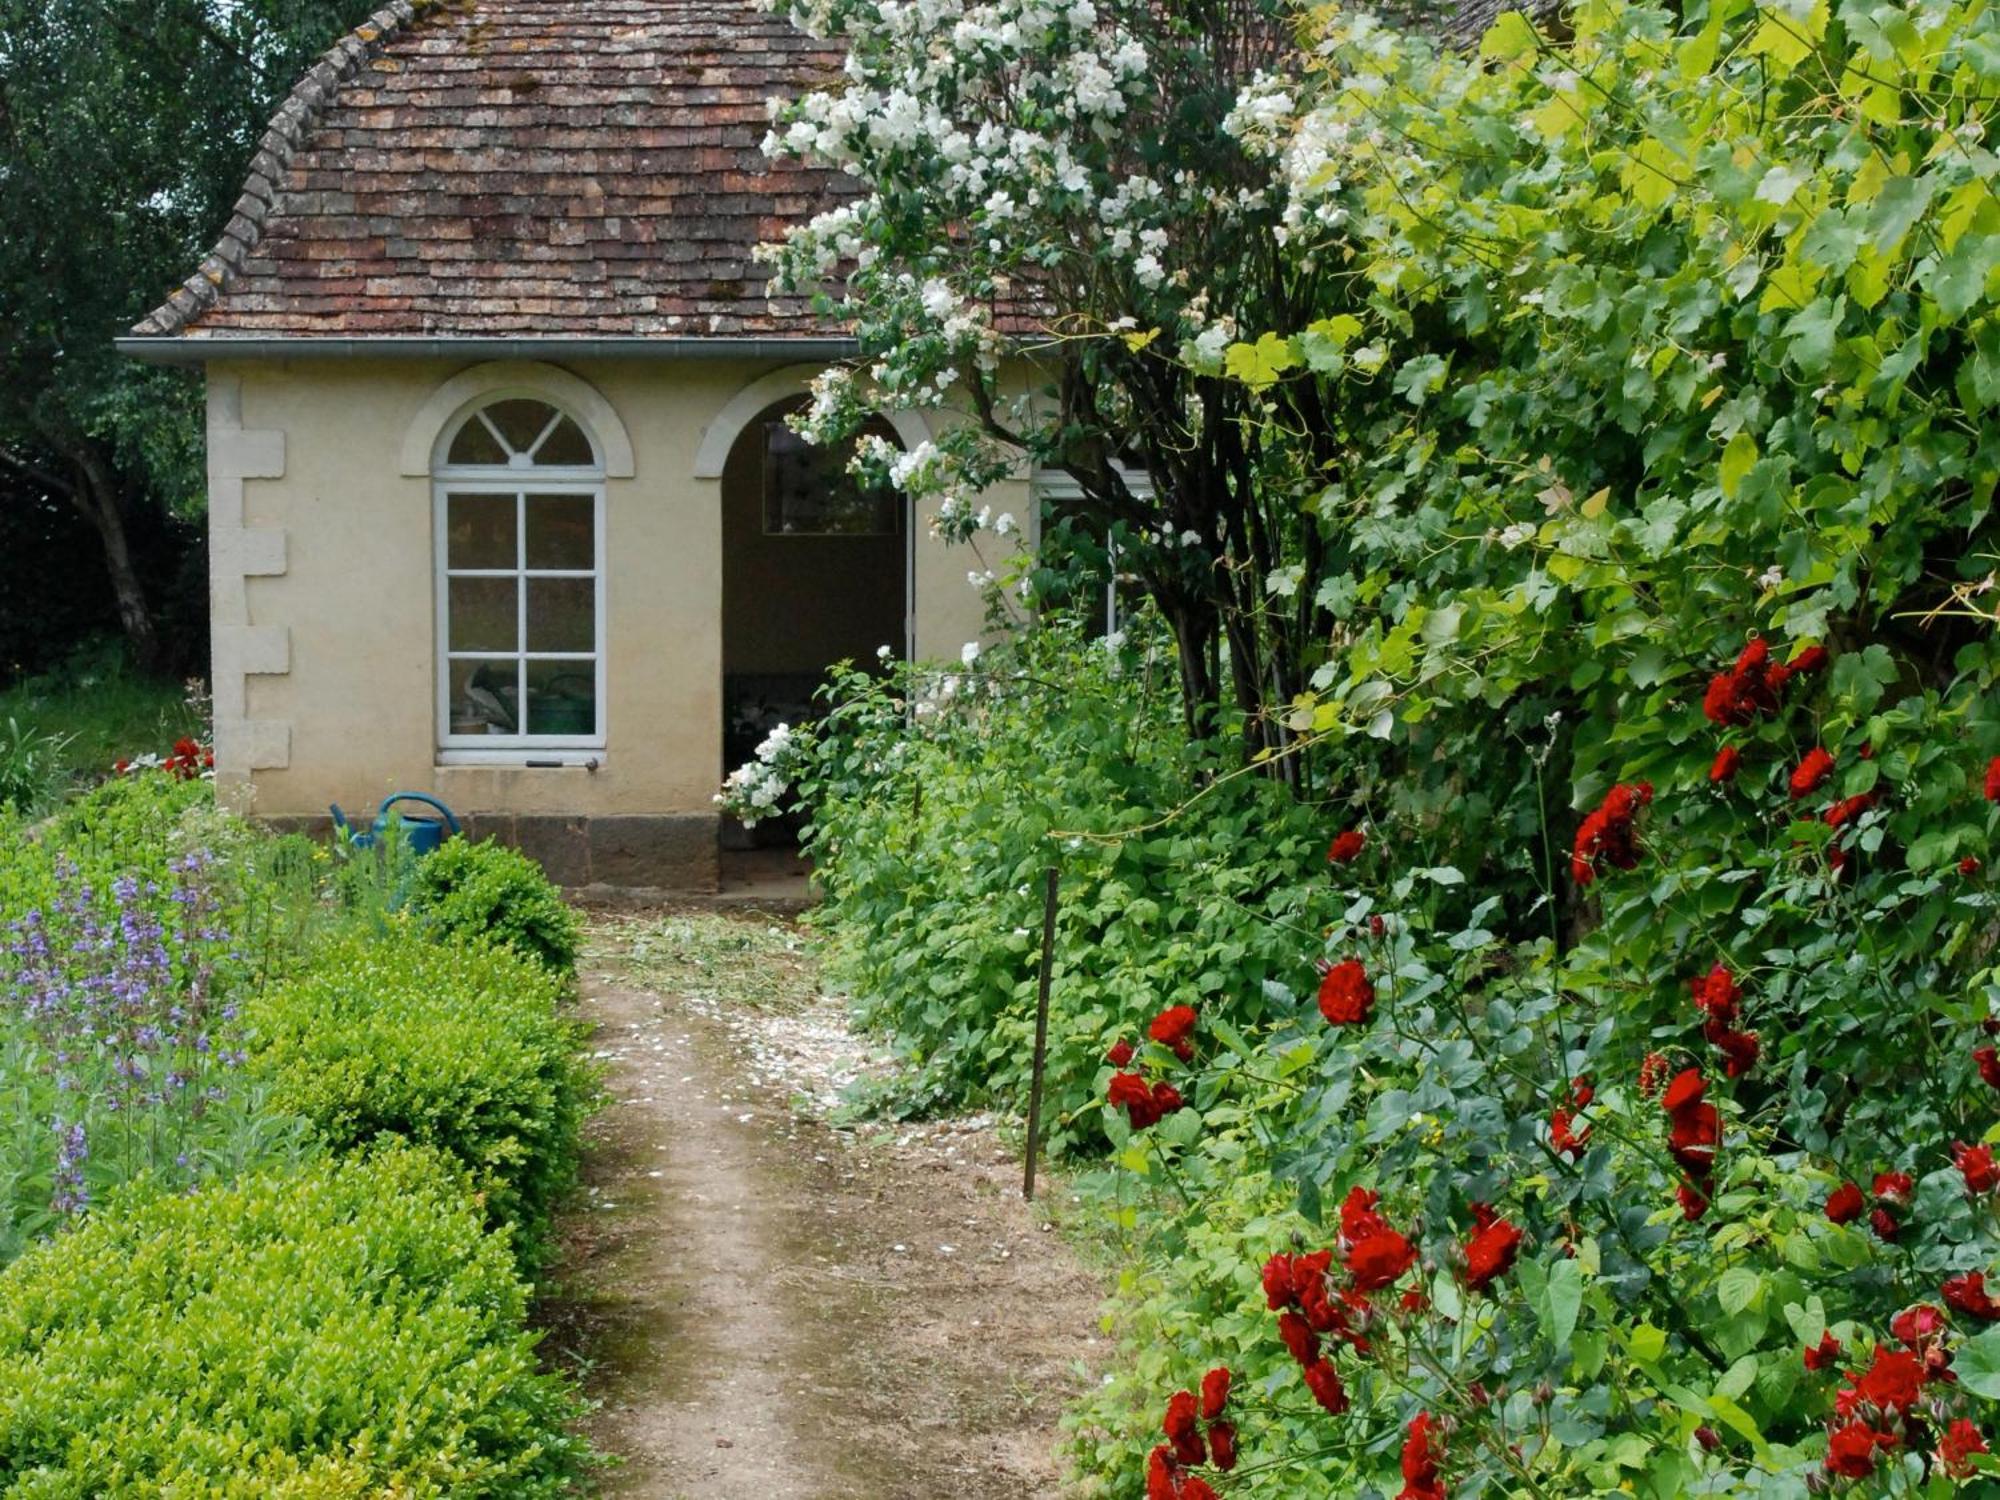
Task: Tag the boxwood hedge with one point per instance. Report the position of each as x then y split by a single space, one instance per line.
344 1329
465 1048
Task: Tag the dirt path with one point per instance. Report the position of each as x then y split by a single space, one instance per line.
770 1308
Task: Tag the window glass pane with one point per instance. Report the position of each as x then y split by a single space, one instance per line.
483 615
475 445
566 445
561 531
479 531
520 421
483 697
808 491
562 614
562 697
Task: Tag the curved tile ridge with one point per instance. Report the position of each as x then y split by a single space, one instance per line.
289 127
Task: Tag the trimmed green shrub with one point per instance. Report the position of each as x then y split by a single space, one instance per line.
346 1329
460 1047
491 892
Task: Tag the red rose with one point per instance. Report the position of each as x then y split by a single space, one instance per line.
1850 1452
1739 1051
1608 835
1379 1259
1298 1338
1976 1164
1182 1430
1563 1137
1358 1218
1129 1093
1884 1224
1956 1448
1194 1487
1174 1028
1847 809
1687 1088
1895 1188
1825 1353
1421 1452
1812 659
1145 1106
1345 995
1915 1324
1845 1204
1969 866
1278 1282
1120 1053
1162 1475
1324 1383
1346 846
1746 689
1988 1060
1214 1392
1716 995
1490 1253
1966 1293
1810 772
1993 779
1693 1201
1376 926
1893 1382
1693 1137
1581 1092
1222 1445
1725 765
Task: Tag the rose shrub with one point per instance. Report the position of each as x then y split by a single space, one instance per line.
1613 1115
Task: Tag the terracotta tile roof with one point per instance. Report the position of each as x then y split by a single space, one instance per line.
538 168
522 167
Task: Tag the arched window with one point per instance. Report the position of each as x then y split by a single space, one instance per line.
520 559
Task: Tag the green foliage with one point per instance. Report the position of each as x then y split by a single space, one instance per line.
1643 344
128 132
491 893
461 1047
103 712
30 766
933 834
339 1331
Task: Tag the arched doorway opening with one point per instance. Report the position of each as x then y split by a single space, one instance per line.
815 570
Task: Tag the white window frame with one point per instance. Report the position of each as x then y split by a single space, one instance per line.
520 479
1060 484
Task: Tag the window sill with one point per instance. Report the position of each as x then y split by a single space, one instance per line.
519 759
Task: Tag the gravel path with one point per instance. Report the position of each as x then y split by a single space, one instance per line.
771 1308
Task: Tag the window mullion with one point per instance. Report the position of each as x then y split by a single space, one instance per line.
521 610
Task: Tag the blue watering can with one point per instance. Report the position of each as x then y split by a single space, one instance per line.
421 833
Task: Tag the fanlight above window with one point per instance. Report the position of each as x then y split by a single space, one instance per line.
519 433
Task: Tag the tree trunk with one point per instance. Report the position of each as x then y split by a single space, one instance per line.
98 496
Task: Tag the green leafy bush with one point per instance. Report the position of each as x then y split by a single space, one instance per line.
490 892
460 1047
933 833
1639 1133
343 1330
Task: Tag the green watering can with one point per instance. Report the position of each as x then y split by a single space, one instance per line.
422 833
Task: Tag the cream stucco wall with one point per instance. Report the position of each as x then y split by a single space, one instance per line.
324 589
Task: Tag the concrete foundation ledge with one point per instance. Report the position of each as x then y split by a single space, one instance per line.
651 853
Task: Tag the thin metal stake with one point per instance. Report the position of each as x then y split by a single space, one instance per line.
1052 878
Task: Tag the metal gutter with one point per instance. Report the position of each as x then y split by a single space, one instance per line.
180 349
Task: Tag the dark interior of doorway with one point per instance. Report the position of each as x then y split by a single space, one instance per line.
815 571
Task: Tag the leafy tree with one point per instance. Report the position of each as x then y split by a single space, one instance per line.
1056 179
124 129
